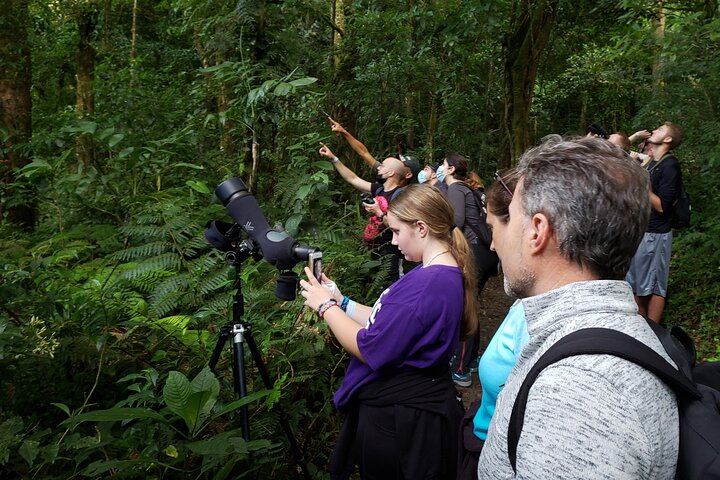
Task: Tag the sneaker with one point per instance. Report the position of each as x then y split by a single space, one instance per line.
462 379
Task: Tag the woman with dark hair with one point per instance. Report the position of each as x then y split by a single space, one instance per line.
402 413
468 217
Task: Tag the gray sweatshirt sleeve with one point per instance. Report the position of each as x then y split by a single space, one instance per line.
579 425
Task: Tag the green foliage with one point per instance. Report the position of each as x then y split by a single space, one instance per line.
110 309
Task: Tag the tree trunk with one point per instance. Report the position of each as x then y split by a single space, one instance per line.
15 106
85 105
133 43
530 25
659 24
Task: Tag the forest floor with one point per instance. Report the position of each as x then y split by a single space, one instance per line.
494 305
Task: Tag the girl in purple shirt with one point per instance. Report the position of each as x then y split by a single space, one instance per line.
402 412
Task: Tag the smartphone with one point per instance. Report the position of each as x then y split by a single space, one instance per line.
315 263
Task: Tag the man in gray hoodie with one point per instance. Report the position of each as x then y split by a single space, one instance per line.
577 216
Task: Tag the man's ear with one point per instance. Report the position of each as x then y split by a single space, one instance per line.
541 234
667 139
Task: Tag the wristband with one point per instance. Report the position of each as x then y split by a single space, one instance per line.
334 160
344 303
330 302
350 309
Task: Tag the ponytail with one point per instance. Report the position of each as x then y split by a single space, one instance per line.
460 249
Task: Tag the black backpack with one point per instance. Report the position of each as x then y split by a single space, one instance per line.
698 405
481 229
681 208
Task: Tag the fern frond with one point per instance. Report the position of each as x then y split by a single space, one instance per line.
141 251
213 282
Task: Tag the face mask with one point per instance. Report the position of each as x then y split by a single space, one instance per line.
422 176
440 174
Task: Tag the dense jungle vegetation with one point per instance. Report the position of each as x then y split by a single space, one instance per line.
119 118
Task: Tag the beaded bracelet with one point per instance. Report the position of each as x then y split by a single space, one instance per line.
327 304
344 304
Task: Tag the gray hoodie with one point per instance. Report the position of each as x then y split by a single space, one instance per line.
589 416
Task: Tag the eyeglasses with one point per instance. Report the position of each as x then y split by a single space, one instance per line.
502 182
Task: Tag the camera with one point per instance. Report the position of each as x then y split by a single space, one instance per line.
367 198
273 244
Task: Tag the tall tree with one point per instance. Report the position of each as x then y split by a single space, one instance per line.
15 104
85 103
531 22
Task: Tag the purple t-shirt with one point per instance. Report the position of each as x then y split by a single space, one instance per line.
414 324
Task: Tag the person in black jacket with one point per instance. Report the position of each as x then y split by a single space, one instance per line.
468 216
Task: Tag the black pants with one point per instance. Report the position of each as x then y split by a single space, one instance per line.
466 353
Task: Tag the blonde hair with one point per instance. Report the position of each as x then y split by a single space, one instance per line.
426 203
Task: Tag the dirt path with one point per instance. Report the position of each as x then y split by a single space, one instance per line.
494 305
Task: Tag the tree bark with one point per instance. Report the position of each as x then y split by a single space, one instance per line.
85 103
530 26
15 106
133 42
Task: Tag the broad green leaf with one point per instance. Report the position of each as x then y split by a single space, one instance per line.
115 414
206 381
98 468
86 126
323 165
292 223
176 394
115 139
62 407
282 89
29 451
303 192
200 187
301 82
125 152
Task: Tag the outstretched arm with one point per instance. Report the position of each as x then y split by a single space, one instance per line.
356 144
347 174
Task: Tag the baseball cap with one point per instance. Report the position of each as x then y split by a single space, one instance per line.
411 163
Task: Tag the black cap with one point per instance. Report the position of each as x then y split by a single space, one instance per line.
434 166
412 163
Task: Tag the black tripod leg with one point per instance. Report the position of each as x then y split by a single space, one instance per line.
218 348
283 419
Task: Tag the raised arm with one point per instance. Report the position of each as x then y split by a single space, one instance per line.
347 174
356 144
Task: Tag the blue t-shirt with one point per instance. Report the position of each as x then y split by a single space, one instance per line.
496 363
414 324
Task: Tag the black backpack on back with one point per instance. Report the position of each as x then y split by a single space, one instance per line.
481 229
681 208
698 405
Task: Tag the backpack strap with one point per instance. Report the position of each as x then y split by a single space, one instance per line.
595 341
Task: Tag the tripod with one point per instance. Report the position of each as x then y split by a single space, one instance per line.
241 332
